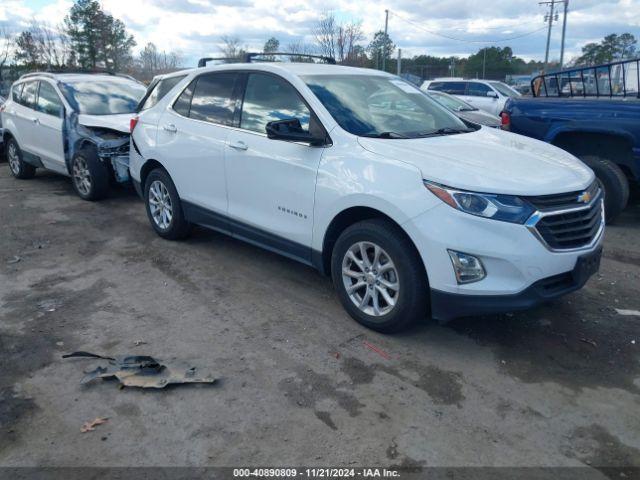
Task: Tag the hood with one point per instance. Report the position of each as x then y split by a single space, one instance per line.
489 161
118 122
480 117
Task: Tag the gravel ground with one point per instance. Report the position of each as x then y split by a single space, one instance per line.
299 385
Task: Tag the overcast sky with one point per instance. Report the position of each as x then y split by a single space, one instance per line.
194 27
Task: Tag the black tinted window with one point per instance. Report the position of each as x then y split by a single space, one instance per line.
268 98
453 88
28 97
160 90
213 98
48 100
478 89
183 102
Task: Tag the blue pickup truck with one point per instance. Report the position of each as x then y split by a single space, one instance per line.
593 113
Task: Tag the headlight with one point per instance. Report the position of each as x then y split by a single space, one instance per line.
506 208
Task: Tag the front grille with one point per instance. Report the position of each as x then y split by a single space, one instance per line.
568 230
562 200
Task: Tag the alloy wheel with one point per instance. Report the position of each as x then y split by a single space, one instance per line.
160 204
370 278
81 176
13 158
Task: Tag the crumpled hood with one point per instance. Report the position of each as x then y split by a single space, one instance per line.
490 161
118 122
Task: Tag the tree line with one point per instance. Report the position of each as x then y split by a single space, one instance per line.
91 39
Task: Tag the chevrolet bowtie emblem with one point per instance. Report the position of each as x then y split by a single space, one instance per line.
584 197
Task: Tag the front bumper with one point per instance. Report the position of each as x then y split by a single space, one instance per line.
518 265
447 306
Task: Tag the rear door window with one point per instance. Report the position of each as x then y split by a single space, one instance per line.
478 89
48 100
16 92
213 98
159 91
452 88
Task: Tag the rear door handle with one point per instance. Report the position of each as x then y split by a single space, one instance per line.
35 120
239 145
170 128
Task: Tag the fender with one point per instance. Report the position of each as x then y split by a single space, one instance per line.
559 129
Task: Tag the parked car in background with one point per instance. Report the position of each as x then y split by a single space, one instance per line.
360 174
465 110
596 118
73 124
487 95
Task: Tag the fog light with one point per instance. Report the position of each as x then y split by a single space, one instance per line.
468 269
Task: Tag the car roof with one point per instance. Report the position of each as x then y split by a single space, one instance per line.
75 77
295 68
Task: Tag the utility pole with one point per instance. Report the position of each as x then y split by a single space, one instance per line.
552 4
564 31
386 28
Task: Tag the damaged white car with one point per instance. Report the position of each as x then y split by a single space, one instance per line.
73 124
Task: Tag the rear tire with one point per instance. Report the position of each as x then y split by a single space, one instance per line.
398 271
17 166
89 175
164 207
614 183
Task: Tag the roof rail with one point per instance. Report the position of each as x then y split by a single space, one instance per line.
36 74
251 56
614 79
203 61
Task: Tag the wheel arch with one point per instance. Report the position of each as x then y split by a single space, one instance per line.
343 220
147 167
612 145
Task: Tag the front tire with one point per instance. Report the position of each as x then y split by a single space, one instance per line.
17 166
613 181
379 276
163 206
89 175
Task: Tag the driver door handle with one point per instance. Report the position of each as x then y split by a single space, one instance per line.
239 145
170 128
35 120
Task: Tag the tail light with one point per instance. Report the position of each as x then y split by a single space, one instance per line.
505 121
132 123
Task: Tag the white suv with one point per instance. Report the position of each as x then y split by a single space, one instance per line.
487 95
73 124
360 174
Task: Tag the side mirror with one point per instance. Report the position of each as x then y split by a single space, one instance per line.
291 130
492 94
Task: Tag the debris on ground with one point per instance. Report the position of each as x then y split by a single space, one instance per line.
137 343
141 371
379 351
13 260
590 342
630 313
91 426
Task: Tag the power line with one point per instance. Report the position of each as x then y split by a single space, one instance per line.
420 27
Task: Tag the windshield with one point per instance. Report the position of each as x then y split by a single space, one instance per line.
505 90
103 97
451 102
381 106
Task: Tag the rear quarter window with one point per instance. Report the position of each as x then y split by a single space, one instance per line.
160 90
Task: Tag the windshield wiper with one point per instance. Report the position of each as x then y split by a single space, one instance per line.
384 135
445 131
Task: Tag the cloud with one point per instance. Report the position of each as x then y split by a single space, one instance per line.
194 27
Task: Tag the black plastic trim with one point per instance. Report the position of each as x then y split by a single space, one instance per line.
448 306
248 233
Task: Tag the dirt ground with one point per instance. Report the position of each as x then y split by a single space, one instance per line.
299 383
